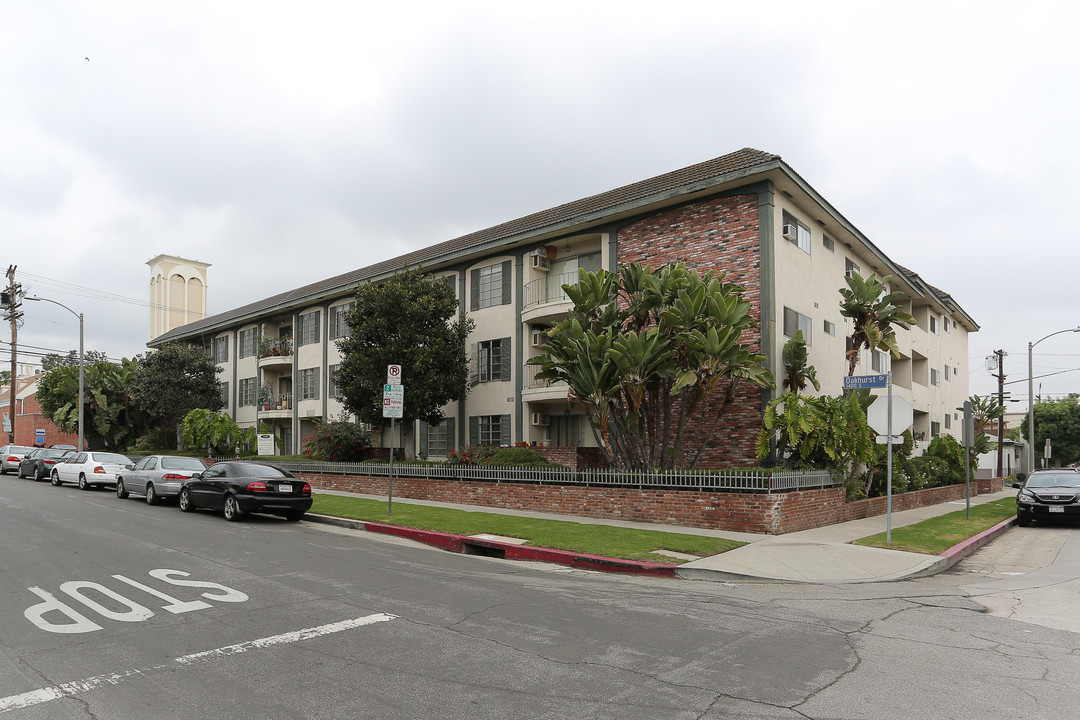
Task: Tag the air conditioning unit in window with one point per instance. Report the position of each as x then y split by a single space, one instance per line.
541 419
538 337
791 232
539 262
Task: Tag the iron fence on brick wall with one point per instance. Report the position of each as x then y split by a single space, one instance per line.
704 480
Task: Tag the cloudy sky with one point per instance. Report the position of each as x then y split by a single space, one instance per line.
287 142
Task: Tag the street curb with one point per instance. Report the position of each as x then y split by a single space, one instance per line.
494 548
961 550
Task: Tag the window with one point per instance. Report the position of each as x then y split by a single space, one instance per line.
879 361
221 349
247 392
827 242
224 388
947 369
946 323
851 268
933 324
437 441
309 328
490 286
489 429
331 382
948 421
493 360
794 321
795 232
830 328
935 377
246 343
935 428
338 327
309 384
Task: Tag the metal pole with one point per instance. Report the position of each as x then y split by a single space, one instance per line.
390 497
888 491
1031 415
82 365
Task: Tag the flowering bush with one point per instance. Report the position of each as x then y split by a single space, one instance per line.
337 442
471 455
491 455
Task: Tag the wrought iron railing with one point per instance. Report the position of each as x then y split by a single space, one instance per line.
548 289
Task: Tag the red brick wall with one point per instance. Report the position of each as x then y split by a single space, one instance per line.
28 418
765 513
714 234
576 458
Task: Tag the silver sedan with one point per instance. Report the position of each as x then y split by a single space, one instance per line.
157 476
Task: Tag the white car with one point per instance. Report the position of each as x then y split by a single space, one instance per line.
89 469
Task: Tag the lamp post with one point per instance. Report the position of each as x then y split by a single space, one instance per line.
82 362
1031 399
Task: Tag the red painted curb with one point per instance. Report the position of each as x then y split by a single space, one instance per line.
510 551
961 550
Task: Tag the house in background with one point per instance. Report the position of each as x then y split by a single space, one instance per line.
32 427
747 214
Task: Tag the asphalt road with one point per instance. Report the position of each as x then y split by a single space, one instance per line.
112 609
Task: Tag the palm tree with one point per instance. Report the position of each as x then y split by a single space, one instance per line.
797 372
875 314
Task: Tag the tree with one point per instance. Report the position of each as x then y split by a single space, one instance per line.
874 315
407 321
174 380
655 358
111 419
1059 422
5 377
54 360
984 410
797 372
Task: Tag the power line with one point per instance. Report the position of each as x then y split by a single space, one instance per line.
82 291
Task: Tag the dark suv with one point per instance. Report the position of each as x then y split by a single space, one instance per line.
1048 495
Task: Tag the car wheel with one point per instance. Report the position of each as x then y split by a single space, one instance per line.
152 497
294 515
55 479
22 475
232 509
184 501
83 485
1023 519
121 491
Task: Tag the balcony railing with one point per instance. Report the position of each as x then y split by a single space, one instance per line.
531 382
549 289
275 347
281 401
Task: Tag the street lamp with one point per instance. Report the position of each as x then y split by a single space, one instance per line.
1031 399
82 362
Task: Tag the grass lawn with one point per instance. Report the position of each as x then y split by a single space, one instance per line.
936 535
603 540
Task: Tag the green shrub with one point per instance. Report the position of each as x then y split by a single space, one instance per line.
471 455
517 456
337 441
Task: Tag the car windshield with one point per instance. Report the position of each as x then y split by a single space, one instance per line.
254 470
110 458
1047 480
182 463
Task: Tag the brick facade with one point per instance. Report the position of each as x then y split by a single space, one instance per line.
29 418
721 234
763 513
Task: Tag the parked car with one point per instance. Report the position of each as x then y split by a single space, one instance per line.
1048 495
157 477
64 447
236 488
89 469
11 456
39 462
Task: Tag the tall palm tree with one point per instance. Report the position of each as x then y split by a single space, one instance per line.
875 314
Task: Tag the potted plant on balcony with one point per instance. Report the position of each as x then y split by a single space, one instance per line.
264 396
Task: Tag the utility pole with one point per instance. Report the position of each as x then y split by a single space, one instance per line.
1001 420
9 301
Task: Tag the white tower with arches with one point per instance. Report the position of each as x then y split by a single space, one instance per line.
177 292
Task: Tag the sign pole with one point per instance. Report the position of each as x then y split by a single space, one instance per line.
393 408
390 497
888 492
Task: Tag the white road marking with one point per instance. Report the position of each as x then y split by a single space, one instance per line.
76 687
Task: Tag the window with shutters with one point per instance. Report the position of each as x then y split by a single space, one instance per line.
490 286
332 391
246 343
309 384
338 327
221 349
224 388
309 328
489 430
493 360
247 392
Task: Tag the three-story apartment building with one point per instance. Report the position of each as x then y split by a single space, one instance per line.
747 214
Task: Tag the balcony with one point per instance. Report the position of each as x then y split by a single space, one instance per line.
276 407
533 389
275 352
545 300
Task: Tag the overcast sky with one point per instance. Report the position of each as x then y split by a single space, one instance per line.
288 142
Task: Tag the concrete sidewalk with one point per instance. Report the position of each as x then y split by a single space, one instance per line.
820 555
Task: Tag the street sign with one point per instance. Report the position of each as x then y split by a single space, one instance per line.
393 401
393 374
877 415
858 382
885 440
